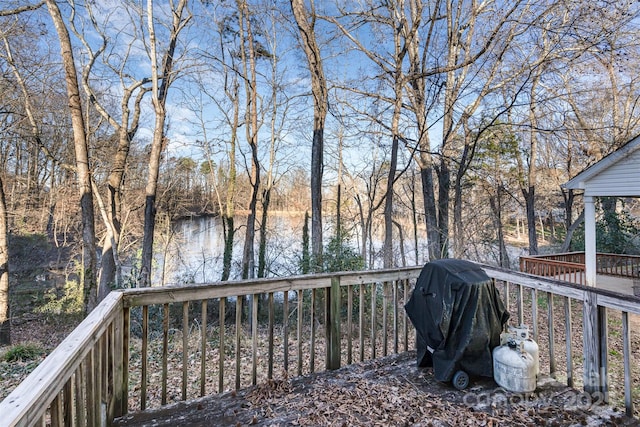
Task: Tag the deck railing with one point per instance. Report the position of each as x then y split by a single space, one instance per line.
570 266
144 348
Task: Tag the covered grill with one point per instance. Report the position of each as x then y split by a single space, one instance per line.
458 315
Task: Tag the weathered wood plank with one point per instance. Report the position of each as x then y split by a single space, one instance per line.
349 324
551 335
534 314
568 339
395 317
185 348
374 325
299 330
144 356
312 355
178 293
606 298
333 347
285 330
30 399
385 317
69 403
270 333
203 348
92 416
361 321
221 344
238 333
57 414
126 333
79 384
405 319
165 352
626 351
255 298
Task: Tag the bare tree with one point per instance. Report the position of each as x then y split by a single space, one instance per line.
248 54
306 20
161 79
83 171
5 307
464 34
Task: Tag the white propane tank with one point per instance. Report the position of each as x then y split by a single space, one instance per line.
521 335
514 368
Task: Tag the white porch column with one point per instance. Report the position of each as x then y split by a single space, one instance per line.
589 241
591 343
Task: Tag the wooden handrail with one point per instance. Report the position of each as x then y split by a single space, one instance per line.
620 265
90 373
75 368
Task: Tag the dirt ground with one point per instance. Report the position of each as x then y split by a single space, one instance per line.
388 391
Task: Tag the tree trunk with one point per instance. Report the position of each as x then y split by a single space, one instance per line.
231 186
262 246
159 98
430 212
248 57
88 273
306 25
529 198
5 305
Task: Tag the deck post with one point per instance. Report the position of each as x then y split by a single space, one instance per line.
591 336
332 300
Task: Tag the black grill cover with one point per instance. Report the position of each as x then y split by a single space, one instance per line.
458 316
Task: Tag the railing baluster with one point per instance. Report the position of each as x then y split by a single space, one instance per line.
126 333
254 338
405 321
349 323
98 375
271 327
185 348
165 352
395 317
238 332
361 320
285 330
203 348
92 416
568 339
520 305
385 315
534 313
79 384
550 327
374 289
145 344
312 358
221 342
68 401
626 351
57 415
332 325
299 326
507 296
603 330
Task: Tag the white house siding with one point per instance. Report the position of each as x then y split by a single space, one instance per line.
620 179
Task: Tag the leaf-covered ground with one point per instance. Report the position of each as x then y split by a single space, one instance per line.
388 391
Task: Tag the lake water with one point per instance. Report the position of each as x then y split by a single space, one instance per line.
195 251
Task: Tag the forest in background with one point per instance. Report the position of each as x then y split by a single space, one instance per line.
453 122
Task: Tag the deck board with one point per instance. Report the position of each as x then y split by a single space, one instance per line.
384 391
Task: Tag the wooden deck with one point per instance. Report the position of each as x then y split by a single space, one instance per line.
386 391
144 349
623 285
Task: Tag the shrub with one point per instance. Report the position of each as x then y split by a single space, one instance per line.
23 352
